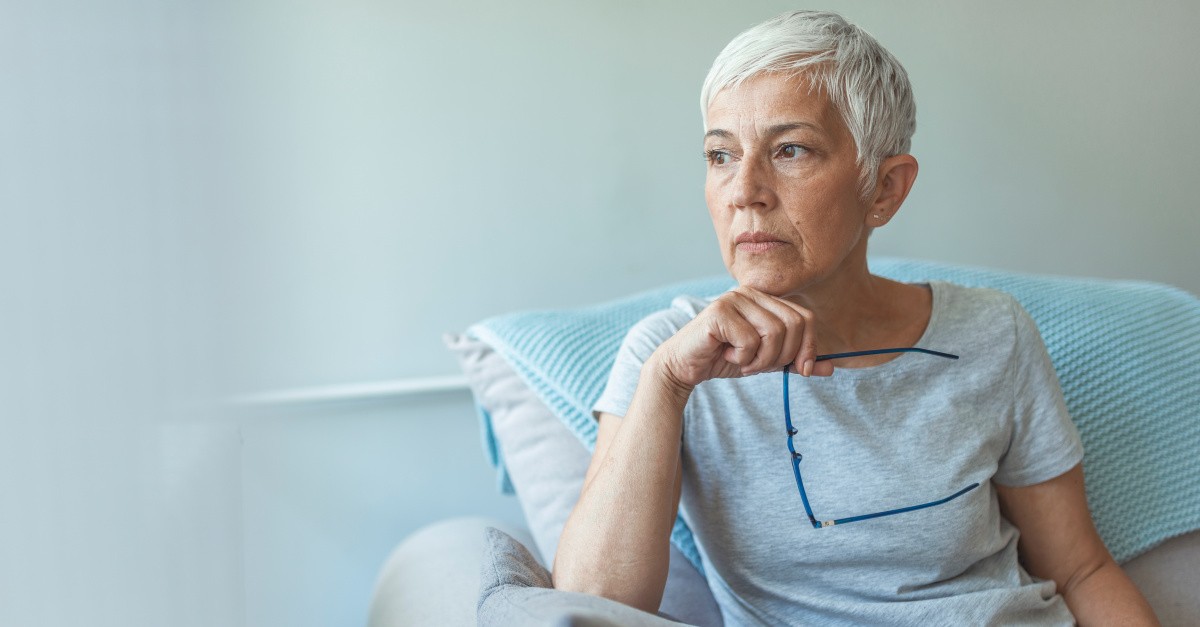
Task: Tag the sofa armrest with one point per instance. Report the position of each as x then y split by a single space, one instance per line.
1168 578
432 577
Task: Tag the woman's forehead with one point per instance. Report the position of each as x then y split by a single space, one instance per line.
771 102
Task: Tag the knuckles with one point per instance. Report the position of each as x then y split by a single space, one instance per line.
740 333
780 320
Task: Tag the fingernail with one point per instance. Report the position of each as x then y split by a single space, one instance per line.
808 366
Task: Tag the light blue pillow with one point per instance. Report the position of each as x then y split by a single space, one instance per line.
1127 355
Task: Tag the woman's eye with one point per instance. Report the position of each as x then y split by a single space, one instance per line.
791 151
717 157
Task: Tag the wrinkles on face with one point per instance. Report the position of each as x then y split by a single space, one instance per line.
783 165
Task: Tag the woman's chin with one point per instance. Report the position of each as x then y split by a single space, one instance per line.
767 282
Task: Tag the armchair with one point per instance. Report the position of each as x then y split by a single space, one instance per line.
1127 355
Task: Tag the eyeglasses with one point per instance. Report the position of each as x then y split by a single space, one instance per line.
796 456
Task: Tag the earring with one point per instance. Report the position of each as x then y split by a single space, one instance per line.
877 217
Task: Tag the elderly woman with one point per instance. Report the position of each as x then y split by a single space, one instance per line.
845 448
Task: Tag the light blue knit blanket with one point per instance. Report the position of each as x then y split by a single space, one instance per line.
1127 355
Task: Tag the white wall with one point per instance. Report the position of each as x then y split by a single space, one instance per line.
402 171
203 199
119 483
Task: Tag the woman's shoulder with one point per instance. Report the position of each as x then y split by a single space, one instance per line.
977 303
983 313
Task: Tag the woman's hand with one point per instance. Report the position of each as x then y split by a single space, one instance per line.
743 332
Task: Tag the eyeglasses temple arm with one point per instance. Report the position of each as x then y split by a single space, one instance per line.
796 457
881 351
892 512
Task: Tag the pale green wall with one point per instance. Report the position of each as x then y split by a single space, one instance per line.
401 171
211 198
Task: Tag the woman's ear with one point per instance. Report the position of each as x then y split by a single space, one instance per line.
896 177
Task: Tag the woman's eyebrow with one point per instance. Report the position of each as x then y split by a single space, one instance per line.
772 131
779 129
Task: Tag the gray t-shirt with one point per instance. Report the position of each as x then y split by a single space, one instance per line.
914 430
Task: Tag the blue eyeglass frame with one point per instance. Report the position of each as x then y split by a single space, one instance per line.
796 456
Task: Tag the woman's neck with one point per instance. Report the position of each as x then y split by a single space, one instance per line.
855 310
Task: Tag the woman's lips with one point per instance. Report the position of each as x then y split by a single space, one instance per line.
757 242
758 247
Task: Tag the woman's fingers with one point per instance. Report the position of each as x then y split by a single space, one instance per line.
822 369
797 342
746 332
793 326
803 354
783 328
773 332
740 337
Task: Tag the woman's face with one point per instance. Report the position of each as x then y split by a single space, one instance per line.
782 185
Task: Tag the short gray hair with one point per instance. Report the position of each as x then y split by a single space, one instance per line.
866 84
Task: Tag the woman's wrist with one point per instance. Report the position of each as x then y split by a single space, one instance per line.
659 379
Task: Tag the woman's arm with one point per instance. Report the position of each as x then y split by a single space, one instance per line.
616 541
1059 542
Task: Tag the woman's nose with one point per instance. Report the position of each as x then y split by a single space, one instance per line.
750 188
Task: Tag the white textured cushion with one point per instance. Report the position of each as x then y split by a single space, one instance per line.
547 464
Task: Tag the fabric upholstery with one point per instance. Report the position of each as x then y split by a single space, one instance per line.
432 577
516 590
546 464
1167 576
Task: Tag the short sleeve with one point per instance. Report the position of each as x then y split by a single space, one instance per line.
639 344
1044 442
